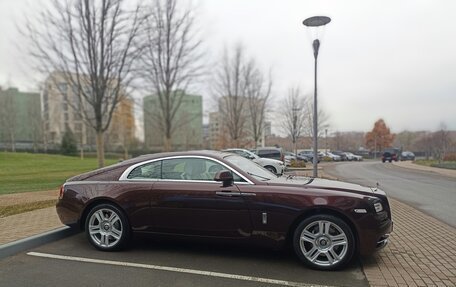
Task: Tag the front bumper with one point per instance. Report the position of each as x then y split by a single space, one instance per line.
374 239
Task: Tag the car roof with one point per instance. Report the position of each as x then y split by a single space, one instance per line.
126 163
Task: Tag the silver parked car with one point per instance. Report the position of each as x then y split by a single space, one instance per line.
354 157
333 157
273 165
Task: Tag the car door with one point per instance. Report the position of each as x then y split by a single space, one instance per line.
188 201
135 189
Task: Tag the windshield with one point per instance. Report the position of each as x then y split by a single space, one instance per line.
250 167
251 154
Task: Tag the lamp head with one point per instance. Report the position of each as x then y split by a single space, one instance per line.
316 21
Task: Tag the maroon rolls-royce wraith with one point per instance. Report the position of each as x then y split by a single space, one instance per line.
220 195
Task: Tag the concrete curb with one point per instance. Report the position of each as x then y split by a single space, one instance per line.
21 245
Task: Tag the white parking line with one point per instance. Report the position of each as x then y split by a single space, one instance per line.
174 269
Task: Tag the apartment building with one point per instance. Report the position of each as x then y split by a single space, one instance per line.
62 110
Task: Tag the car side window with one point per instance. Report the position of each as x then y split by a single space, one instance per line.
186 169
199 169
150 170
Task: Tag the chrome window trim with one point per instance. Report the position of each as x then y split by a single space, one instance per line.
124 175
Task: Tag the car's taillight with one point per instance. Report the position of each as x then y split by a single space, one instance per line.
62 189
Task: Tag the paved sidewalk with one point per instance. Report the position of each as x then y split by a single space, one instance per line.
412 165
421 252
26 224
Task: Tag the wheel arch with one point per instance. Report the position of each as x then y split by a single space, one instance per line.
271 167
321 211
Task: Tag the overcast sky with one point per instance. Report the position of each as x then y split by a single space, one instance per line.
392 59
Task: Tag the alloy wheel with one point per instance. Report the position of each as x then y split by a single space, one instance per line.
105 228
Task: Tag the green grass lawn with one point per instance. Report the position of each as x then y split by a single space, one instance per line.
22 172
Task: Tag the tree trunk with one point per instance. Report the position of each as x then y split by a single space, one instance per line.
167 143
13 143
100 149
125 153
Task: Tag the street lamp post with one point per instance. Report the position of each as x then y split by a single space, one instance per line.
314 22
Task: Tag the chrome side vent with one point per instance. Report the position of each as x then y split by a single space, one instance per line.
265 218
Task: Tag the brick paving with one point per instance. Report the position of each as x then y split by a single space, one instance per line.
421 250
27 224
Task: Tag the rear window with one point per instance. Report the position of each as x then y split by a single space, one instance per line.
270 153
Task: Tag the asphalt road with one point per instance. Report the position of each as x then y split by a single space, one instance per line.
429 192
150 262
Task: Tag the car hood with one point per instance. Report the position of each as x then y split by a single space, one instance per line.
319 183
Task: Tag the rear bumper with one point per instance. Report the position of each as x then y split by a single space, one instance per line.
68 215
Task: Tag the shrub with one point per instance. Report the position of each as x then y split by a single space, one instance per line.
297 163
68 146
450 157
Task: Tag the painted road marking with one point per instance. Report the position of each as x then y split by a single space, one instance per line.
174 269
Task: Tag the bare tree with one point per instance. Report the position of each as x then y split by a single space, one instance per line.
294 115
90 44
441 141
258 93
170 61
323 121
230 88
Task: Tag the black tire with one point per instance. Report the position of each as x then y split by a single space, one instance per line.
318 249
105 234
271 169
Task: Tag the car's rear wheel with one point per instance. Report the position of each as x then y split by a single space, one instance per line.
271 169
324 242
107 227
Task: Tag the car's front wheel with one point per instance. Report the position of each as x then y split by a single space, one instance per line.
271 169
107 227
324 242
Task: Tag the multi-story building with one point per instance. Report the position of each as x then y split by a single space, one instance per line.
20 119
187 124
62 110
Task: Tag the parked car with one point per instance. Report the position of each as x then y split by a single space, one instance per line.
273 165
343 155
309 154
332 156
290 156
390 154
270 152
352 156
215 195
407 155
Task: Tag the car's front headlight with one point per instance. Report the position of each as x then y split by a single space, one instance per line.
378 207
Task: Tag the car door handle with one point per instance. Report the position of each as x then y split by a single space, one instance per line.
248 194
227 193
